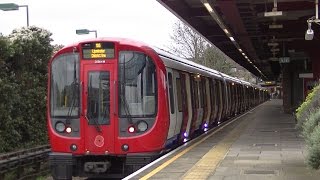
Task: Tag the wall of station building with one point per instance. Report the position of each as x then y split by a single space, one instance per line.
295 88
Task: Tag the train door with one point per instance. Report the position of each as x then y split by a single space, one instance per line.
236 106
98 107
213 98
220 100
178 100
194 102
199 92
225 100
173 114
189 105
208 104
182 87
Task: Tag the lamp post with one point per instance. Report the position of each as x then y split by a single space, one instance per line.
86 31
13 7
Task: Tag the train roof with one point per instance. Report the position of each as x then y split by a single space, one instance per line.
170 59
176 62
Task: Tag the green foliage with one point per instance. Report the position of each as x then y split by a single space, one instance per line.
313 157
310 124
308 116
24 56
311 103
216 60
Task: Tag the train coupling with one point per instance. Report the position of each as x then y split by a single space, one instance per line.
96 167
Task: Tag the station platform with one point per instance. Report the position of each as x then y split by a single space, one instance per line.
261 144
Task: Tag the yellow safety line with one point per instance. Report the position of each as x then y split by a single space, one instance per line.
210 161
162 166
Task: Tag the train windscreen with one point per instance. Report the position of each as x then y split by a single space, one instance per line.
137 85
64 92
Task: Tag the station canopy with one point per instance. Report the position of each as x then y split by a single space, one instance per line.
260 35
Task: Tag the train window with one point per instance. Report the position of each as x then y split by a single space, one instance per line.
196 92
200 87
212 96
64 94
179 94
99 97
171 100
193 99
137 85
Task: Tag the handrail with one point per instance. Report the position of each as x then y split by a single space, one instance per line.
20 159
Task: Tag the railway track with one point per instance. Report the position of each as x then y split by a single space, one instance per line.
25 163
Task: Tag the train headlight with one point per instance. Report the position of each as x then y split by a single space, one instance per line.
68 130
142 126
60 127
131 129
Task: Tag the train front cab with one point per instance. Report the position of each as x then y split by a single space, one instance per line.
104 109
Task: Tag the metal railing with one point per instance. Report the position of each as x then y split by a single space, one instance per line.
33 157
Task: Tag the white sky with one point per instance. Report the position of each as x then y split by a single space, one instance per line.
143 20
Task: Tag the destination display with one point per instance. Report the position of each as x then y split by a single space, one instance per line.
98 50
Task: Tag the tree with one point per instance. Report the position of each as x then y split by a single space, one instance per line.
187 43
57 47
216 60
23 87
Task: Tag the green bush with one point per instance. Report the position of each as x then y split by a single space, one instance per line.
24 56
309 106
313 157
309 126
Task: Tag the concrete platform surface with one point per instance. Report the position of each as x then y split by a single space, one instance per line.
269 148
263 144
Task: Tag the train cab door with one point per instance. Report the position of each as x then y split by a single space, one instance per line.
172 106
99 107
178 100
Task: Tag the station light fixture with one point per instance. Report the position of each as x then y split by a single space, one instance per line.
14 7
86 31
274 11
226 31
216 17
315 19
207 5
309 33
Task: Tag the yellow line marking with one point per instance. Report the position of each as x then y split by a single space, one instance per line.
210 161
162 166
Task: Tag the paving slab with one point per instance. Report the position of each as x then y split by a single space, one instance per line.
281 153
262 145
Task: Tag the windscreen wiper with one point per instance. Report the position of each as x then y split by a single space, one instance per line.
75 88
95 123
126 106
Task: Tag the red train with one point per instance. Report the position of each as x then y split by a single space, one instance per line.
116 104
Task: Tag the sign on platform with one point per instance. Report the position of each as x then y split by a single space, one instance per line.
284 60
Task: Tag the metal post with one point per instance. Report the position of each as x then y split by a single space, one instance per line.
26 6
317 13
95 32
